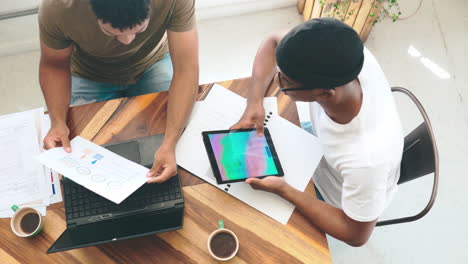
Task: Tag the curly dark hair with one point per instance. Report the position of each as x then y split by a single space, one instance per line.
122 14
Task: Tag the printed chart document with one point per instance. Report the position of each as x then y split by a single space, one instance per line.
23 180
46 182
97 169
51 176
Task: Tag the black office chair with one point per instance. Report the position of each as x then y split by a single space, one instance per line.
420 158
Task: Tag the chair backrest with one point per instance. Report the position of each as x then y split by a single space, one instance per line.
418 155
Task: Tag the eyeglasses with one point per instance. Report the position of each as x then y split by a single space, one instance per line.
282 81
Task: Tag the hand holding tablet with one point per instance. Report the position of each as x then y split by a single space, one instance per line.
236 155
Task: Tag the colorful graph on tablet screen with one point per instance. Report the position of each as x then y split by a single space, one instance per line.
241 155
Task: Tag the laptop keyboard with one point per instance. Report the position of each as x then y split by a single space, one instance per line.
81 202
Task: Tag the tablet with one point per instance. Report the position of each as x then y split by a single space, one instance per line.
236 155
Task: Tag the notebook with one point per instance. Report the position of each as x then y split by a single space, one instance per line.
298 151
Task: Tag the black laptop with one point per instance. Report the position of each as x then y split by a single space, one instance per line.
94 220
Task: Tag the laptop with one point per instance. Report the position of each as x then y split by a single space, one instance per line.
93 220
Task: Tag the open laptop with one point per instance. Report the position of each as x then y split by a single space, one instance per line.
153 208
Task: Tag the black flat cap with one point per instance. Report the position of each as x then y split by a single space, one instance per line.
321 53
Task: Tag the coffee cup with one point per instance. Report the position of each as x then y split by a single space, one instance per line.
26 222
223 243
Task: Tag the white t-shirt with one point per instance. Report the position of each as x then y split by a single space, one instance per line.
361 165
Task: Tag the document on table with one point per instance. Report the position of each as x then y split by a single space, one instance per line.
51 176
22 178
234 103
97 169
299 152
38 205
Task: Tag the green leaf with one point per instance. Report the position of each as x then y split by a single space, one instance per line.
372 14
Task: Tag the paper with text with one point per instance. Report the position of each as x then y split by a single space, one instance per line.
22 179
52 177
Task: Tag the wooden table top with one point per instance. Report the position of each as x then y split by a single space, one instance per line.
262 239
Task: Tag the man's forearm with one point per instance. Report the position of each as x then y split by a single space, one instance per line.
55 81
182 96
263 72
327 218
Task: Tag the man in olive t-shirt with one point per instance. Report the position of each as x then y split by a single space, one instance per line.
94 50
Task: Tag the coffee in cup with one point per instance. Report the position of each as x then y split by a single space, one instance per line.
26 222
223 243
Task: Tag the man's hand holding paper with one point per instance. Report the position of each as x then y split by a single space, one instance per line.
164 166
58 137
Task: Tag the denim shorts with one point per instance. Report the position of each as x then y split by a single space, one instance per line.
155 79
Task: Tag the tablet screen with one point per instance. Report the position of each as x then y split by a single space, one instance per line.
240 155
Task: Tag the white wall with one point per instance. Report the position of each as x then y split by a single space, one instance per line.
15 5
208 9
205 8
21 34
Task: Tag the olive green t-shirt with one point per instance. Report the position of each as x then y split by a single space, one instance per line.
102 58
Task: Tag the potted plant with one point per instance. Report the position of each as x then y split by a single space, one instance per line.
360 14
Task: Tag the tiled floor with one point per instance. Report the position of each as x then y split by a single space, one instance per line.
439 34
435 72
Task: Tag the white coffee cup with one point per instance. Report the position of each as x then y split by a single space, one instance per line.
17 225
218 231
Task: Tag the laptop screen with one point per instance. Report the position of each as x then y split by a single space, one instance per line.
119 229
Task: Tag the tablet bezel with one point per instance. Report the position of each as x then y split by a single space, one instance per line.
214 164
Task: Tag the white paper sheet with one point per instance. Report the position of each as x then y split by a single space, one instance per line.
52 177
298 151
220 96
224 98
97 169
22 178
56 196
303 111
39 205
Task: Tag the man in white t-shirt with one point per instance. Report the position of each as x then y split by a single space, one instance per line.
324 62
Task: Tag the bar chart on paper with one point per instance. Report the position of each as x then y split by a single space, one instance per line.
97 169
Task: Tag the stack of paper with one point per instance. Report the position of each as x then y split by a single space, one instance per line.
299 152
24 181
